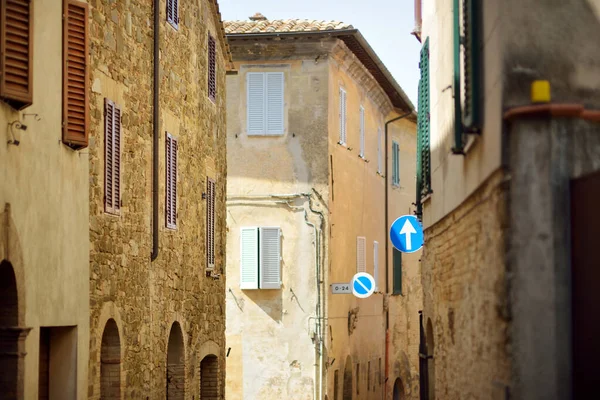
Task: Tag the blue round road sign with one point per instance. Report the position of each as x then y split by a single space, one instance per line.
406 234
363 285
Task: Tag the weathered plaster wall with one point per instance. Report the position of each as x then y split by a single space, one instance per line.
269 331
46 185
146 298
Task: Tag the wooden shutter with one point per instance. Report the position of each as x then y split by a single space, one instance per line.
342 116
274 92
173 13
212 68
376 263
379 148
256 103
249 258
270 256
171 182
210 222
362 131
472 64
112 157
75 74
397 265
361 254
16 52
423 125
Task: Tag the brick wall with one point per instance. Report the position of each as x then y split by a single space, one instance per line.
463 272
209 378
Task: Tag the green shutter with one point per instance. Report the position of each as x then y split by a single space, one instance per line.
397 257
471 17
395 164
423 129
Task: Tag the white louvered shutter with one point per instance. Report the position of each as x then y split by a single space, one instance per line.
274 114
342 116
270 256
249 258
361 254
376 262
256 103
379 155
362 131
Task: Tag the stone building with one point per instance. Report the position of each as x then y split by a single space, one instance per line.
44 246
509 161
157 199
308 117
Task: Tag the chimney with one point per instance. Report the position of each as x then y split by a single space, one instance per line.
258 17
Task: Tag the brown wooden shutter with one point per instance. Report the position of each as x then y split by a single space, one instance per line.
210 222
75 74
171 182
173 13
16 52
212 84
112 166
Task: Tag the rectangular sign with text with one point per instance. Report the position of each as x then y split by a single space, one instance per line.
341 288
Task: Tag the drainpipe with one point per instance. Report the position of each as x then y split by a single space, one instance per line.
387 246
417 30
155 134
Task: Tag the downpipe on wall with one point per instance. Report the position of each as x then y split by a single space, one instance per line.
155 132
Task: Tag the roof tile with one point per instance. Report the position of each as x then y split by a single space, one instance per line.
280 25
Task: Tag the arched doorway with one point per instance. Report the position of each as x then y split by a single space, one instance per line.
175 364
430 359
209 378
9 332
347 392
398 390
110 362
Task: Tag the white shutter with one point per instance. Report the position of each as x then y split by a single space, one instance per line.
255 107
361 254
342 116
362 132
270 256
274 114
249 258
379 157
376 262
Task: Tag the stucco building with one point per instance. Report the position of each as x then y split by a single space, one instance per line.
157 178
306 208
44 246
509 155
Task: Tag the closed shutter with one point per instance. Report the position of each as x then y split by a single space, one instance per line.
173 13
379 155
423 126
210 223
274 92
212 68
362 132
171 182
249 258
376 263
256 103
270 258
16 52
342 116
75 74
361 254
112 159
397 265
395 164
472 64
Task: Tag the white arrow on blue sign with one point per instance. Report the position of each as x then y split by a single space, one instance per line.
406 234
363 285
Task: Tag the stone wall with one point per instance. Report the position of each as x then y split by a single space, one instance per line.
463 272
145 297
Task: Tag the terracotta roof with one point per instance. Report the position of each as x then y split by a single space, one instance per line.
259 24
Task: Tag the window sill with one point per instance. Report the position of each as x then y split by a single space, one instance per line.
395 294
426 198
264 134
471 140
342 144
173 25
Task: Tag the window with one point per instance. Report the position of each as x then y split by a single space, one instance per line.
368 376
342 116
379 152
397 264
376 263
260 258
210 223
16 52
173 13
362 132
395 164
265 103
212 68
361 254
171 182
358 378
423 151
112 157
75 74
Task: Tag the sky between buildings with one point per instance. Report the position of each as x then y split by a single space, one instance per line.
385 24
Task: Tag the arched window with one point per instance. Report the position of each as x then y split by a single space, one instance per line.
110 362
347 392
209 378
175 364
9 338
398 390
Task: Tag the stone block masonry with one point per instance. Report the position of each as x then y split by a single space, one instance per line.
146 298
